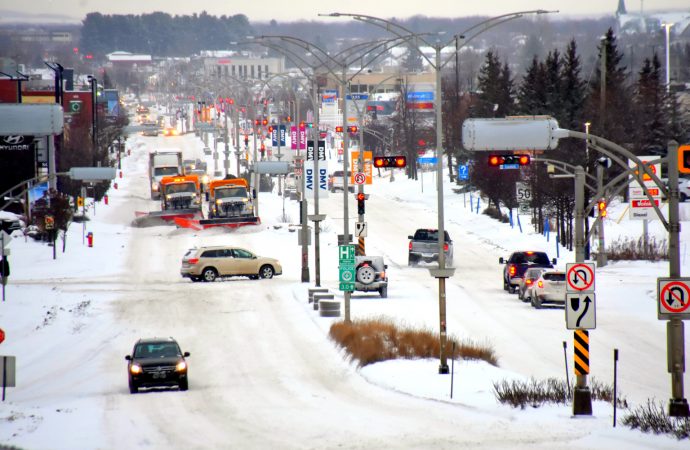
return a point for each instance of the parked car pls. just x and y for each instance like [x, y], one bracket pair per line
[335, 181]
[518, 263]
[528, 279]
[157, 362]
[549, 288]
[210, 263]
[423, 246]
[370, 275]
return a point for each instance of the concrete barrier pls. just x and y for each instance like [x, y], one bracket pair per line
[313, 291]
[329, 308]
[321, 296]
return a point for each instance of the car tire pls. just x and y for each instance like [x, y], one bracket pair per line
[411, 260]
[683, 197]
[133, 388]
[383, 292]
[184, 385]
[511, 289]
[266, 272]
[520, 296]
[195, 279]
[366, 274]
[209, 274]
[505, 285]
[536, 302]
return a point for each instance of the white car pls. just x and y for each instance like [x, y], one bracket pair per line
[549, 288]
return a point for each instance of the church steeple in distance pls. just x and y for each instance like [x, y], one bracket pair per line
[621, 8]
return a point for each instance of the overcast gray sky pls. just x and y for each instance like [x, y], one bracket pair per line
[290, 10]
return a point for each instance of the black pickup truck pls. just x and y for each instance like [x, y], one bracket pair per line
[424, 247]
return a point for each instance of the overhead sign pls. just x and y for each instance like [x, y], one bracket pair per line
[31, 119]
[580, 311]
[271, 167]
[92, 173]
[579, 277]
[538, 133]
[673, 296]
[427, 160]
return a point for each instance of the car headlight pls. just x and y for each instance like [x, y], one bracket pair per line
[135, 369]
[168, 197]
[204, 179]
[245, 200]
[154, 186]
[219, 202]
[181, 366]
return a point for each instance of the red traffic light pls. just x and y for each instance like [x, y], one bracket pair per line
[265, 122]
[338, 129]
[361, 196]
[270, 129]
[601, 205]
[352, 128]
[390, 161]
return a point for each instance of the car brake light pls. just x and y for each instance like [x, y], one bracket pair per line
[512, 270]
[445, 247]
[528, 281]
[410, 246]
[193, 260]
[540, 284]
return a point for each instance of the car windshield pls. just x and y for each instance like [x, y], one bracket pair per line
[165, 171]
[530, 258]
[235, 191]
[178, 188]
[156, 350]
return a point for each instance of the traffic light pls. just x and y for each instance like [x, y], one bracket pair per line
[601, 206]
[390, 161]
[338, 129]
[499, 160]
[352, 128]
[257, 122]
[270, 129]
[265, 122]
[361, 197]
[684, 159]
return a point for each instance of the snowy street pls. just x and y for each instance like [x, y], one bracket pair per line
[262, 371]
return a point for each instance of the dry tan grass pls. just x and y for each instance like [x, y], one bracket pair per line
[374, 340]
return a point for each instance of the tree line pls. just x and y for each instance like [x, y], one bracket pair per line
[638, 113]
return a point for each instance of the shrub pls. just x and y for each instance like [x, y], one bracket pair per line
[495, 213]
[374, 340]
[535, 393]
[634, 249]
[652, 418]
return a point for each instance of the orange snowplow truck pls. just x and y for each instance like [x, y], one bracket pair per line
[229, 198]
[180, 192]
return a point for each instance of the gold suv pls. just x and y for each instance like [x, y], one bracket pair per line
[209, 263]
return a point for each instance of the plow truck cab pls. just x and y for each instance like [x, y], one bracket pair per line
[229, 204]
[180, 193]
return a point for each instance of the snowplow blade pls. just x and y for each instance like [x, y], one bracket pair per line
[229, 222]
[158, 218]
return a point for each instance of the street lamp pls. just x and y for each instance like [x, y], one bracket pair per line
[441, 273]
[94, 118]
[342, 62]
[668, 26]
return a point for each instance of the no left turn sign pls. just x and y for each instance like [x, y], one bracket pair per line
[673, 298]
[360, 178]
[579, 277]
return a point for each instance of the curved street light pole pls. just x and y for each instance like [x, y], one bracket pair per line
[343, 80]
[442, 272]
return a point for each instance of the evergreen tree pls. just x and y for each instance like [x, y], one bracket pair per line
[650, 108]
[531, 92]
[412, 62]
[489, 82]
[573, 89]
[553, 85]
[611, 119]
[506, 94]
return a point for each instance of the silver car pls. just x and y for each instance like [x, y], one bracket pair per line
[528, 280]
[549, 288]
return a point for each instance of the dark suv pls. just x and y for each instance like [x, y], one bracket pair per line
[517, 265]
[157, 362]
